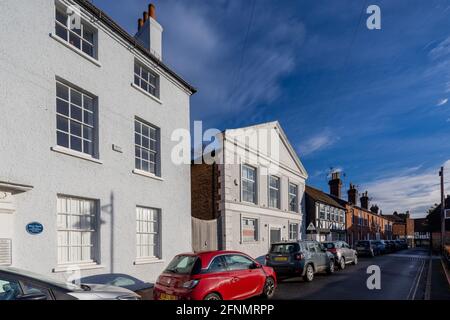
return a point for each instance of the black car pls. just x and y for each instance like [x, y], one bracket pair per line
[366, 248]
[300, 258]
[390, 246]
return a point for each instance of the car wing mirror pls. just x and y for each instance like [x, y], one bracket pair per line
[32, 296]
[255, 265]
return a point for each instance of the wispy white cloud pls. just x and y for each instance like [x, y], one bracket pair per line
[441, 102]
[413, 191]
[441, 50]
[318, 142]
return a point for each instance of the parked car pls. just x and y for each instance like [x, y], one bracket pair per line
[300, 258]
[403, 244]
[380, 246]
[342, 252]
[366, 247]
[390, 246]
[18, 284]
[143, 289]
[215, 275]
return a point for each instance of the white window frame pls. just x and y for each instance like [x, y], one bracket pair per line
[93, 140]
[295, 195]
[148, 223]
[84, 25]
[92, 231]
[139, 81]
[297, 231]
[257, 229]
[269, 187]
[140, 149]
[322, 210]
[255, 182]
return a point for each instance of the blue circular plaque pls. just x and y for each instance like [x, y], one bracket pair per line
[35, 228]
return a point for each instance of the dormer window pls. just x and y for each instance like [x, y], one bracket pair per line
[79, 35]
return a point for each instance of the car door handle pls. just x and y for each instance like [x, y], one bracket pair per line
[234, 280]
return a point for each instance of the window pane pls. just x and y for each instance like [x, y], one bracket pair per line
[74, 40]
[62, 107]
[88, 35]
[88, 103]
[62, 91]
[88, 49]
[62, 139]
[61, 32]
[88, 133]
[138, 164]
[75, 143]
[145, 142]
[89, 118]
[75, 98]
[75, 128]
[62, 124]
[61, 17]
[75, 113]
[87, 147]
[137, 127]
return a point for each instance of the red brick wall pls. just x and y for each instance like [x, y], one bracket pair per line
[204, 191]
[356, 232]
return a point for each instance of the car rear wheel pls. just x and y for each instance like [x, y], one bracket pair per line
[269, 288]
[213, 296]
[330, 269]
[355, 260]
[342, 263]
[309, 273]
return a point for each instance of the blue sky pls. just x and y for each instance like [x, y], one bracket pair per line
[372, 103]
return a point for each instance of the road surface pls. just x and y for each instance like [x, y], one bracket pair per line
[403, 277]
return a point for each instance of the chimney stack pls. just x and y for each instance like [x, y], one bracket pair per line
[150, 32]
[335, 184]
[152, 10]
[145, 16]
[365, 201]
[352, 193]
[374, 209]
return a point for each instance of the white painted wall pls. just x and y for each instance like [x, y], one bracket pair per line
[29, 62]
[233, 209]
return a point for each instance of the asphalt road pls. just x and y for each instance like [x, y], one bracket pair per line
[403, 277]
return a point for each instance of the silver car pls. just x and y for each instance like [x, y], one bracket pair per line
[18, 284]
[342, 252]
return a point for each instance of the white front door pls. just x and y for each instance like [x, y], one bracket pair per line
[6, 227]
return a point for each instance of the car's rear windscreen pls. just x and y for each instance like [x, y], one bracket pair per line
[285, 248]
[329, 245]
[363, 243]
[184, 264]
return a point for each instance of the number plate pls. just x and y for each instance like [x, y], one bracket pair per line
[164, 296]
[281, 259]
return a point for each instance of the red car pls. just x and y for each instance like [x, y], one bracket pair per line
[215, 275]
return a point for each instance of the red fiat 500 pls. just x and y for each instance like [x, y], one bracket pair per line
[215, 275]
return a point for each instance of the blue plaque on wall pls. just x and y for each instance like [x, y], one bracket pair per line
[35, 228]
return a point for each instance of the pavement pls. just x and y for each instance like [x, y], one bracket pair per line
[405, 275]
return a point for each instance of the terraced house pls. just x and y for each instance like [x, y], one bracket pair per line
[86, 175]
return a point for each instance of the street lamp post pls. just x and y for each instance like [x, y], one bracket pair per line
[441, 174]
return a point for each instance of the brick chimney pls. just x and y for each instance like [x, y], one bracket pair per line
[375, 209]
[352, 194]
[335, 185]
[150, 32]
[364, 201]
